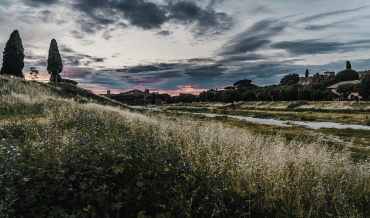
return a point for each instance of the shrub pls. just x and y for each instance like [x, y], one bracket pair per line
[297, 104]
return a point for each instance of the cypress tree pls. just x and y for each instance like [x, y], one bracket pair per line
[55, 65]
[13, 59]
[306, 73]
[348, 65]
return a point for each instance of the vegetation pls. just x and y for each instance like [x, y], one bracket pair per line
[345, 89]
[290, 79]
[55, 66]
[297, 104]
[346, 75]
[103, 159]
[13, 56]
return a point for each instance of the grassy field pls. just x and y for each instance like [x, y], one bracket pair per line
[75, 152]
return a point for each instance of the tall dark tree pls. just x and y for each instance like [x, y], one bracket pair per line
[13, 59]
[55, 66]
[348, 65]
[306, 73]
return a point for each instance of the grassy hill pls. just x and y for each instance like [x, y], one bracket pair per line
[66, 152]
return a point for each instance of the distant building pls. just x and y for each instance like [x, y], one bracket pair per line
[316, 78]
[331, 73]
[363, 73]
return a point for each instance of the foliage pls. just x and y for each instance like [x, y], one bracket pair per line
[231, 95]
[188, 98]
[305, 94]
[297, 104]
[345, 89]
[244, 84]
[229, 87]
[289, 93]
[261, 96]
[365, 82]
[248, 96]
[13, 56]
[153, 98]
[346, 75]
[35, 72]
[55, 65]
[290, 79]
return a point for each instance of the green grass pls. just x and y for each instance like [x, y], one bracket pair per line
[90, 156]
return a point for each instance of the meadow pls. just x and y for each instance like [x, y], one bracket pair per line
[66, 152]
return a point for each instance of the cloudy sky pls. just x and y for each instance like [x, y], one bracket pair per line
[174, 47]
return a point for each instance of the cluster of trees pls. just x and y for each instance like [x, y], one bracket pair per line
[290, 90]
[13, 59]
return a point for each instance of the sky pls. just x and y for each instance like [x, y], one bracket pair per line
[174, 47]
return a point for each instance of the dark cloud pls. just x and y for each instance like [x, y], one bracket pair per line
[207, 22]
[249, 57]
[213, 3]
[139, 69]
[254, 38]
[324, 15]
[146, 15]
[63, 48]
[199, 59]
[40, 3]
[316, 47]
[205, 72]
[185, 11]
[163, 33]
[46, 16]
[76, 34]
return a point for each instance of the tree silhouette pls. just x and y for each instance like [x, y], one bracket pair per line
[244, 84]
[306, 73]
[348, 65]
[55, 65]
[13, 59]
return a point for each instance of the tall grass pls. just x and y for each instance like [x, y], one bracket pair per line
[294, 179]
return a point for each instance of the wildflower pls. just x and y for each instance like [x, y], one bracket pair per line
[59, 162]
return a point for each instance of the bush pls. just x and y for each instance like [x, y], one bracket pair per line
[297, 104]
